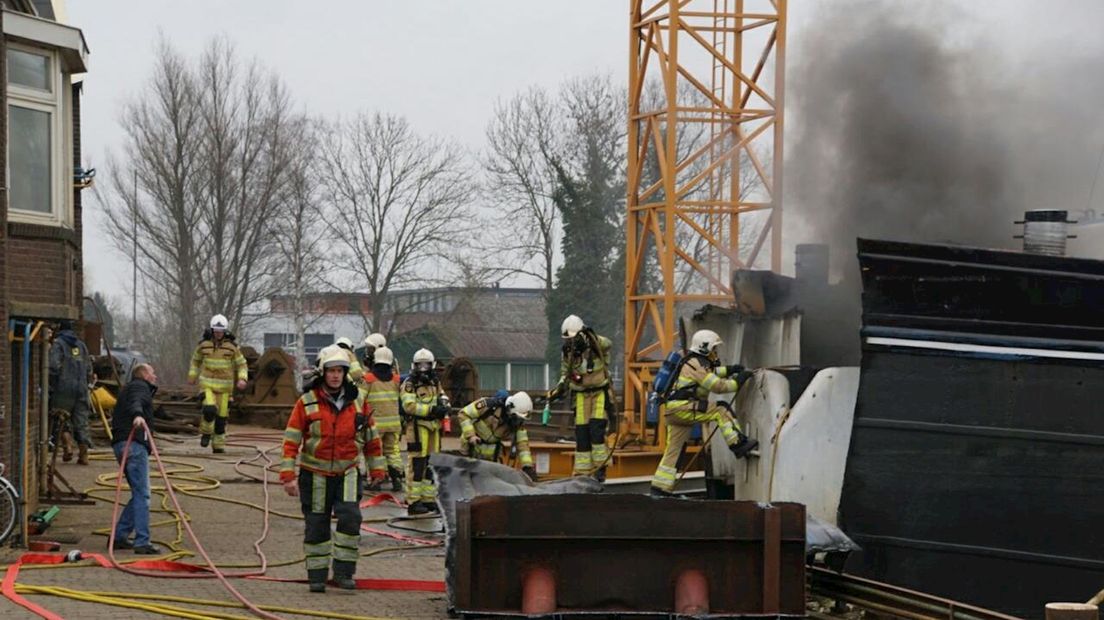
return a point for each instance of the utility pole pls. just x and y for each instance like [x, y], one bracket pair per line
[134, 265]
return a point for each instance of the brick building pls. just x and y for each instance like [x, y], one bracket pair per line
[40, 241]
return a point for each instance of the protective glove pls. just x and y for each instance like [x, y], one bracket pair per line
[475, 440]
[495, 402]
[439, 412]
[529, 471]
[733, 370]
[743, 376]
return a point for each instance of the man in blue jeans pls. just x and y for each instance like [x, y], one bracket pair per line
[135, 403]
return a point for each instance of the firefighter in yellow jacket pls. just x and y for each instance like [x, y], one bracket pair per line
[333, 437]
[425, 403]
[217, 362]
[585, 372]
[487, 422]
[380, 387]
[700, 374]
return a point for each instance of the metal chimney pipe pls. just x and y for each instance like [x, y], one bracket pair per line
[1045, 232]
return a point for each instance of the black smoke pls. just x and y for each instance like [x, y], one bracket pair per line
[900, 130]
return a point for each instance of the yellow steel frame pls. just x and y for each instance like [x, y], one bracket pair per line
[718, 67]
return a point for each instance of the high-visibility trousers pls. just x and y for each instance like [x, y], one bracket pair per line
[420, 486]
[679, 425]
[321, 497]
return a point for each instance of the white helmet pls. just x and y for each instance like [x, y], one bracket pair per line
[375, 340]
[704, 341]
[383, 355]
[422, 357]
[344, 342]
[219, 322]
[331, 356]
[520, 405]
[571, 325]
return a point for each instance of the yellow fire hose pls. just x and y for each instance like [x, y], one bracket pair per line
[187, 479]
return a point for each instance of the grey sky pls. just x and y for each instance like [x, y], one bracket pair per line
[443, 64]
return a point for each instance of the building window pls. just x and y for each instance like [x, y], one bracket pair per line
[29, 149]
[38, 137]
[492, 375]
[527, 377]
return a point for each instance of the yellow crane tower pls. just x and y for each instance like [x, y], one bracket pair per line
[704, 166]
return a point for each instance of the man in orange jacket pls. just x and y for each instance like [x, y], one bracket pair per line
[333, 434]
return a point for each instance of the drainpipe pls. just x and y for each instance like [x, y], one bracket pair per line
[24, 383]
[44, 412]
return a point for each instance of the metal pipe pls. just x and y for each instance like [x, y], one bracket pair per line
[24, 387]
[44, 411]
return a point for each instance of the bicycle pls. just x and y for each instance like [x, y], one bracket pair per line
[8, 506]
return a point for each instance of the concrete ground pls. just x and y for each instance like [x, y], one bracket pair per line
[227, 531]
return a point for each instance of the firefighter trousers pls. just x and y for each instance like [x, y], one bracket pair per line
[216, 411]
[420, 486]
[679, 425]
[591, 452]
[320, 498]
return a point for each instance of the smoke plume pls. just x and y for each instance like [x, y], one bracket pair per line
[897, 129]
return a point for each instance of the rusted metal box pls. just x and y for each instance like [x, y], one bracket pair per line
[623, 554]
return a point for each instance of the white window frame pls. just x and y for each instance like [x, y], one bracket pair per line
[57, 104]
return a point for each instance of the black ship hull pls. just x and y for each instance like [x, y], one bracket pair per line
[976, 466]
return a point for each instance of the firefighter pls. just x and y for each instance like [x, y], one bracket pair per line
[370, 344]
[688, 404]
[333, 434]
[380, 387]
[355, 370]
[585, 372]
[487, 422]
[70, 374]
[425, 403]
[217, 361]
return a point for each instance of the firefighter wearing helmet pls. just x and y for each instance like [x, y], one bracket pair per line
[488, 422]
[700, 374]
[370, 344]
[424, 401]
[585, 376]
[380, 387]
[332, 434]
[355, 370]
[219, 366]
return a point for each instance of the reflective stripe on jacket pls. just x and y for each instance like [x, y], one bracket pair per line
[589, 370]
[218, 366]
[702, 380]
[491, 428]
[383, 396]
[328, 441]
[418, 399]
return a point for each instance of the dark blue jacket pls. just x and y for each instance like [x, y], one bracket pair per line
[135, 399]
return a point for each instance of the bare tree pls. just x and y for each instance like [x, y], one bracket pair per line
[397, 203]
[522, 143]
[250, 135]
[159, 224]
[299, 234]
[207, 148]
